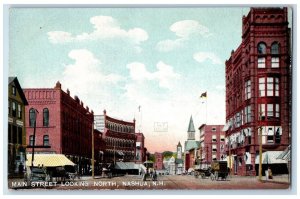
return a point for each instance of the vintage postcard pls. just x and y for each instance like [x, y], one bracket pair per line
[141, 98]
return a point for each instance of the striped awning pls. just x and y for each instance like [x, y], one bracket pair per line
[48, 160]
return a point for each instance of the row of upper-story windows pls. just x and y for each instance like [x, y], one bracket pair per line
[33, 115]
[15, 109]
[120, 128]
[262, 52]
[45, 140]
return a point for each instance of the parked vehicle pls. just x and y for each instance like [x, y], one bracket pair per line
[203, 172]
[36, 174]
[219, 169]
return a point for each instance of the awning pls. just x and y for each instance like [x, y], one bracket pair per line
[227, 126]
[270, 157]
[49, 160]
[286, 154]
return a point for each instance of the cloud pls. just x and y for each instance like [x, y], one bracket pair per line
[164, 74]
[186, 28]
[183, 30]
[105, 27]
[203, 56]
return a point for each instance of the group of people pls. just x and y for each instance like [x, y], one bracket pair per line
[151, 173]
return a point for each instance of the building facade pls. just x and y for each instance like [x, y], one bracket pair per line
[178, 159]
[16, 127]
[258, 89]
[140, 156]
[159, 158]
[212, 144]
[63, 125]
[120, 139]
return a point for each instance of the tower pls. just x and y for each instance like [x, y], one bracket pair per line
[191, 130]
[179, 151]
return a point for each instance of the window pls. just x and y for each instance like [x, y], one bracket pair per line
[222, 138]
[214, 129]
[270, 88]
[248, 89]
[214, 147]
[262, 90]
[31, 140]
[261, 49]
[261, 62]
[45, 117]
[275, 62]
[277, 110]
[270, 136]
[247, 114]
[275, 49]
[276, 86]
[14, 109]
[262, 113]
[214, 138]
[46, 140]
[270, 112]
[14, 92]
[31, 117]
[19, 111]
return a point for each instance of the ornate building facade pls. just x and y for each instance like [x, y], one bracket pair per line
[258, 90]
[120, 139]
[63, 125]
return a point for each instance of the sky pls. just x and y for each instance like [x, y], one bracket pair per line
[120, 59]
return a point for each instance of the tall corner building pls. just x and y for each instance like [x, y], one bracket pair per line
[258, 93]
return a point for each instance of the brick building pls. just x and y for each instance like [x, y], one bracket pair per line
[258, 90]
[158, 164]
[63, 125]
[120, 139]
[212, 144]
[140, 156]
[16, 126]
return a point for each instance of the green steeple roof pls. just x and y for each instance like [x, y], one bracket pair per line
[191, 126]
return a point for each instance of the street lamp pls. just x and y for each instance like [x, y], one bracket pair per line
[33, 141]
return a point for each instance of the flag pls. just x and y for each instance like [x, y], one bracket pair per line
[203, 95]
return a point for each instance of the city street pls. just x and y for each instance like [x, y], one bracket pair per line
[170, 182]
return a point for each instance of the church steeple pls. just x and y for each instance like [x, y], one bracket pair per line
[191, 130]
[179, 151]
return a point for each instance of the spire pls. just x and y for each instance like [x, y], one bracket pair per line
[191, 126]
[179, 144]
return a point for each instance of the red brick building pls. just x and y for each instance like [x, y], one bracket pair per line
[258, 89]
[212, 144]
[63, 124]
[120, 139]
[158, 164]
[140, 156]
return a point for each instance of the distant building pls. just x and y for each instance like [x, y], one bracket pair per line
[190, 147]
[212, 144]
[120, 139]
[169, 165]
[16, 126]
[63, 125]
[179, 160]
[258, 92]
[140, 156]
[158, 164]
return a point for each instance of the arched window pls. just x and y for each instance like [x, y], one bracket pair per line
[261, 48]
[45, 117]
[46, 140]
[32, 117]
[275, 48]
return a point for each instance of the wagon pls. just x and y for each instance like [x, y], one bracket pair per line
[203, 173]
[219, 169]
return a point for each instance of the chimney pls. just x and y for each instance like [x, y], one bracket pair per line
[87, 108]
[77, 99]
[68, 92]
[58, 85]
[81, 103]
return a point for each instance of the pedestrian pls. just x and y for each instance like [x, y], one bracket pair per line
[21, 168]
[270, 173]
[154, 175]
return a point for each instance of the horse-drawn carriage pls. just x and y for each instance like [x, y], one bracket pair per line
[217, 170]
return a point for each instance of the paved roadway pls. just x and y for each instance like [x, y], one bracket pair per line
[163, 183]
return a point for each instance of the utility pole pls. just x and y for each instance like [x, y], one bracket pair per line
[33, 141]
[93, 151]
[260, 149]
